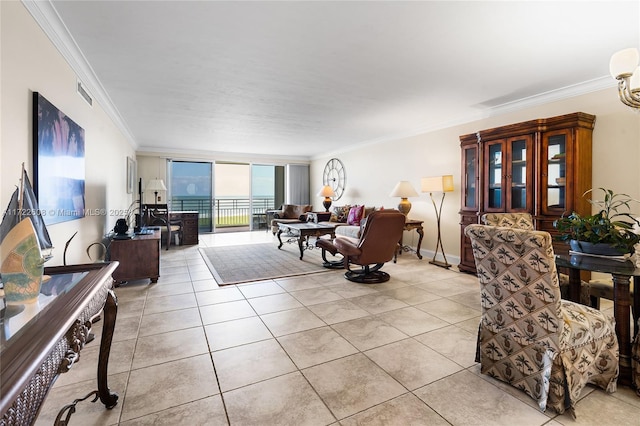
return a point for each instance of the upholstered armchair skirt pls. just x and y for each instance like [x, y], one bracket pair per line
[530, 338]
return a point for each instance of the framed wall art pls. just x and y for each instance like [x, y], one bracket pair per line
[131, 175]
[58, 162]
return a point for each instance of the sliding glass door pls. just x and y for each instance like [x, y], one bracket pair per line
[267, 192]
[232, 195]
[228, 196]
[244, 193]
[191, 190]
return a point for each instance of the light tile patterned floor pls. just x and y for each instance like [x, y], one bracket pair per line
[309, 350]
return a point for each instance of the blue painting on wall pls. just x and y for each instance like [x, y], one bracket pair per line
[58, 162]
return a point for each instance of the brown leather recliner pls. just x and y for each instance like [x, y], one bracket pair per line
[378, 244]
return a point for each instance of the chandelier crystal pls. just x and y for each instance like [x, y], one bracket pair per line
[624, 68]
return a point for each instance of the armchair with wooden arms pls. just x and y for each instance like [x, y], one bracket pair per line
[377, 245]
[158, 215]
[529, 337]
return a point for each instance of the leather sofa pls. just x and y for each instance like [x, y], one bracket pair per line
[289, 213]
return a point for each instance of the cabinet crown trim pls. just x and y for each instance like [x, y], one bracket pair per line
[576, 119]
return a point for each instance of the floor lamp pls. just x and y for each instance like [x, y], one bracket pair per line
[442, 184]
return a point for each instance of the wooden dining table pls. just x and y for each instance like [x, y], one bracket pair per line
[622, 271]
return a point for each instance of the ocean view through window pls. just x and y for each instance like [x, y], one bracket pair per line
[226, 195]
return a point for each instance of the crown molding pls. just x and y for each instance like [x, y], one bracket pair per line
[49, 20]
[572, 91]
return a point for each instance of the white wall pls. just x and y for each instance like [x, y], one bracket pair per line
[372, 171]
[30, 63]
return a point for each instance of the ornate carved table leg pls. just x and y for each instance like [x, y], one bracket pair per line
[301, 239]
[621, 304]
[420, 232]
[279, 239]
[108, 398]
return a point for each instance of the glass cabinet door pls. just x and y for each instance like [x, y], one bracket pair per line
[470, 177]
[554, 172]
[494, 197]
[519, 173]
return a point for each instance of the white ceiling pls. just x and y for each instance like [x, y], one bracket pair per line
[303, 78]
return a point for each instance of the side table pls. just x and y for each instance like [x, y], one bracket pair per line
[139, 257]
[409, 225]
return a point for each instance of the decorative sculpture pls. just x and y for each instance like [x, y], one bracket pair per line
[21, 264]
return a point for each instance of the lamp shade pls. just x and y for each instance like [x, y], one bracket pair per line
[624, 62]
[156, 185]
[326, 191]
[437, 184]
[403, 189]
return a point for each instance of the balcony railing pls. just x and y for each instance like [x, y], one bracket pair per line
[227, 212]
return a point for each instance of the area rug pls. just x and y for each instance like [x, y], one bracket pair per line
[254, 262]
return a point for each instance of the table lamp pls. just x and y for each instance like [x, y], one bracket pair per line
[326, 192]
[156, 185]
[404, 190]
[442, 184]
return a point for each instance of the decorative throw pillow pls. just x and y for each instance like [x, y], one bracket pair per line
[355, 215]
[289, 211]
[341, 213]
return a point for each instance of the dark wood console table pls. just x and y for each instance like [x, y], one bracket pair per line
[43, 339]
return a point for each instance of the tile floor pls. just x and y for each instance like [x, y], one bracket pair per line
[310, 350]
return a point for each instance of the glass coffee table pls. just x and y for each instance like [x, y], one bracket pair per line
[302, 231]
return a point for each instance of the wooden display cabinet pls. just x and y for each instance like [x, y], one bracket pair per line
[469, 207]
[508, 174]
[542, 167]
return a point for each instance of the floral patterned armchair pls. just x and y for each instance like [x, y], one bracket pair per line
[530, 338]
[525, 221]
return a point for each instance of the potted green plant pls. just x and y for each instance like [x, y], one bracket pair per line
[608, 232]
